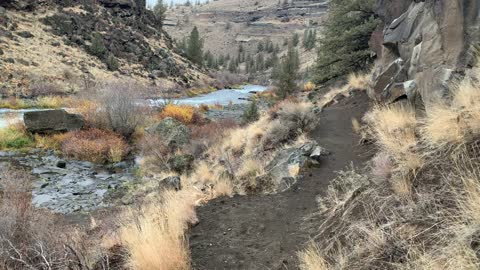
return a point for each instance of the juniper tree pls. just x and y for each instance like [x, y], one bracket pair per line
[195, 47]
[295, 39]
[286, 73]
[160, 10]
[344, 46]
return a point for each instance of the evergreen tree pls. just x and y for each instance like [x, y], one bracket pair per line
[260, 47]
[286, 74]
[195, 47]
[232, 66]
[295, 39]
[305, 38]
[344, 47]
[98, 47]
[160, 10]
[260, 62]
[251, 114]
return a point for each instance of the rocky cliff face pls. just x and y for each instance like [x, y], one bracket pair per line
[424, 46]
[46, 37]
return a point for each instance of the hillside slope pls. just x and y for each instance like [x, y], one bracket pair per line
[67, 43]
[226, 24]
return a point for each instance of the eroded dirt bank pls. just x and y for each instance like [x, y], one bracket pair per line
[266, 231]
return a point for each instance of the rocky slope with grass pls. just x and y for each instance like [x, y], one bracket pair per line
[62, 47]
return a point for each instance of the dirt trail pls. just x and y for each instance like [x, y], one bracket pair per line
[266, 231]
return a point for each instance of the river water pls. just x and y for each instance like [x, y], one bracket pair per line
[221, 97]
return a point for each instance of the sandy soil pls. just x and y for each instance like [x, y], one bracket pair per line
[266, 231]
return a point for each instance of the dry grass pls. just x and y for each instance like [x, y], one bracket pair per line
[459, 118]
[359, 81]
[310, 259]
[394, 129]
[154, 236]
[355, 82]
[417, 206]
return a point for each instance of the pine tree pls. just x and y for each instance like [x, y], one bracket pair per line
[232, 66]
[295, 39]
[260, 47]
[159, 10]
[286, 73]
[195, 47]
[305, 38]
[344, 47]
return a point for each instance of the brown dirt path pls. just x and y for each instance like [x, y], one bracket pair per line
[266, 231]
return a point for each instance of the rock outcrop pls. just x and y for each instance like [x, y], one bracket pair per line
[425, 44]
[52, 121]
[172, 132]
[282, 171]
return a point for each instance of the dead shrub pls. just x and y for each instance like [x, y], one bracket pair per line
[39, 89]
[119, 102]
[29, 237]
[223, 79]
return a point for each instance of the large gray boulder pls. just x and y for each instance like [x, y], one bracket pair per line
[172, 132]
[278, 177]
[52, 121]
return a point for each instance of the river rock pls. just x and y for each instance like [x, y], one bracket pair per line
[52, 121]
[172, 132]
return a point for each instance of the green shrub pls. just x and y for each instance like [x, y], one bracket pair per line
[14, 138]
[98, 47]
[250, 114]
[112, 63]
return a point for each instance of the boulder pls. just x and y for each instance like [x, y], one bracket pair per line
[283, 169]
[52, 121]
[384, 81]
[172, 132]
[171, 182]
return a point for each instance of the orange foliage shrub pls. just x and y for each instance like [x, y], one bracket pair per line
[93, 145]
[309, 86]
[182, 113]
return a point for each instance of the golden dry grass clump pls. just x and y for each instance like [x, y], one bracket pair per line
[457, 122]
[154, 235]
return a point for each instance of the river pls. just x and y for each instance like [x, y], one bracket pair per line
[221, 97]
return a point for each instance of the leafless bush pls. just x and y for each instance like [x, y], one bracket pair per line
[224, 79]
[45, 89]
[29, 238]
[121, 104]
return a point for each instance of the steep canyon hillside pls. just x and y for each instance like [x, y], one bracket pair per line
[225, 25]
[66, 45]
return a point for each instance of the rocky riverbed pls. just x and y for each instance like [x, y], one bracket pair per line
[68, 186]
